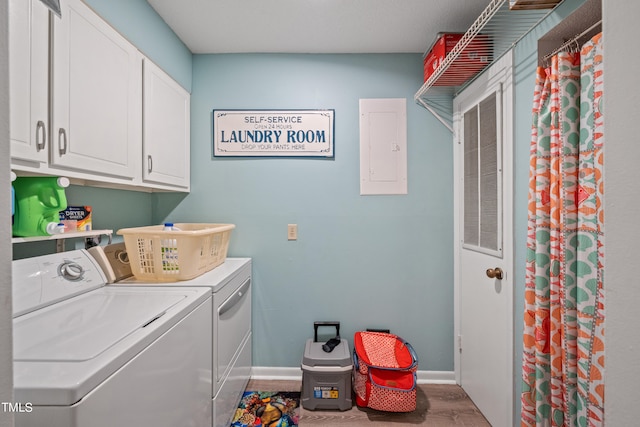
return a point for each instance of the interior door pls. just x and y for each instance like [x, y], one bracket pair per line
[484, 297]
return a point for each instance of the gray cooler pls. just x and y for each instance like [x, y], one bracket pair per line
[326, 377]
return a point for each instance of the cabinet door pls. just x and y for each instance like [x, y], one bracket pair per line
[29, 77]
[166, 121]
[97, 84]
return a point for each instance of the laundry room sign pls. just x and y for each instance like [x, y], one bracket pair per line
[279, 133]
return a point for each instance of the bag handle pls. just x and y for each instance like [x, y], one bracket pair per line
[316, 325]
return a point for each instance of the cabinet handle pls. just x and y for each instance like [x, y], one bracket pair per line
[40, 132]
[62, 141]
[149, 163]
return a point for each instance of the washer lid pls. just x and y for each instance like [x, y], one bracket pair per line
[84, 327]
[41, 281]
[63, 351]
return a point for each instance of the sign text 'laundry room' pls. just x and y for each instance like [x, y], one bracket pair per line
[294, 133]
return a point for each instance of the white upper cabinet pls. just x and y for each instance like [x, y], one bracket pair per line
[76, 103]
[29, 81]
[96, 95]
[166, 132]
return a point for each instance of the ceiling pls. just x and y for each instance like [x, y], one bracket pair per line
[315, 26]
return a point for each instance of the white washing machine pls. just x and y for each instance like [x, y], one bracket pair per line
[230, 287]
[89, 355]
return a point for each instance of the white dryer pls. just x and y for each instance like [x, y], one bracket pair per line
[230, 287]
[89, 355]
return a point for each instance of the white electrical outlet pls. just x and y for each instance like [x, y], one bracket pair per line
[292, 232]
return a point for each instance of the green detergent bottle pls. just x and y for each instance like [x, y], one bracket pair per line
[39, 201]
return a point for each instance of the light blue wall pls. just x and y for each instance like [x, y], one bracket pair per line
[367, 261]
[382, 261]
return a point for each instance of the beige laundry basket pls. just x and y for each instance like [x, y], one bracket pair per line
[168, 256]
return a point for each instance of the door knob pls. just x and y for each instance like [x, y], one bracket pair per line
[494, 273]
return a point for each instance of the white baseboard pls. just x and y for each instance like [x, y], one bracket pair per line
[275, 373]
[295, 374]
[436, 377]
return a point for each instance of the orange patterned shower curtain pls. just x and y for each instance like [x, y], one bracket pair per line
[563, 360]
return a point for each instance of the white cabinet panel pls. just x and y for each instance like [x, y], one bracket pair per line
[29, 80]
[76, 93]
[97, 83]
[383, 146]
[166, 128]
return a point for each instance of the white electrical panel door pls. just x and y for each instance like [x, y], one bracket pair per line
[383, 146]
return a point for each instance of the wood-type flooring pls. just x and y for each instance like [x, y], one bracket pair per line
[438, 405]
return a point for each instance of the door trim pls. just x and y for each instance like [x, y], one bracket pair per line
[499, 73]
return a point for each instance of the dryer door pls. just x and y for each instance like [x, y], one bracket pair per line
[233, 325]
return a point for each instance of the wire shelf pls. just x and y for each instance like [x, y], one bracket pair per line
[495, 31]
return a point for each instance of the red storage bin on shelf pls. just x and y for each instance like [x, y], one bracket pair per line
[473, 59]
[443, 44]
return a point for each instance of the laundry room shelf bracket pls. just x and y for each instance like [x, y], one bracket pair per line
[494, 32]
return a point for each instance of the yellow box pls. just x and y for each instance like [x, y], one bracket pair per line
[76, 218]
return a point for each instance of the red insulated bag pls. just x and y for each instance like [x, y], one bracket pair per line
[384, 372]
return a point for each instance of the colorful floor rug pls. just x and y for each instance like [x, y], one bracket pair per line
[268, 409]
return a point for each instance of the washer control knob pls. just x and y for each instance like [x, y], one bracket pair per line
[71, 270]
